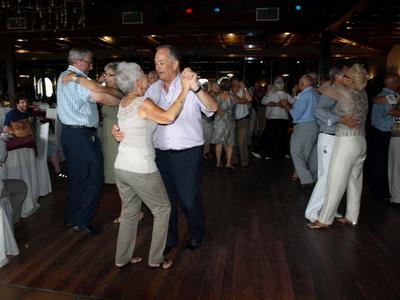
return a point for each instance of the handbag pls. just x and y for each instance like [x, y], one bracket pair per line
[22, 128]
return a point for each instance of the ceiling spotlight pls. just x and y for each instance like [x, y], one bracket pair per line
[285, 75]
[298, 7]
[297, 62]
[287, 33]
[22, 40]
[189, 10]
[216, 10]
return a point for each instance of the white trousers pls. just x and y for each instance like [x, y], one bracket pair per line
[394, 169]
[345, 173]
[324, 152]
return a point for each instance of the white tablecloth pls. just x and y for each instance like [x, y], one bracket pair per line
[8, 245]
[21, 164]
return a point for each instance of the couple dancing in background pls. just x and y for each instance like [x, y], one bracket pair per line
[178, 154]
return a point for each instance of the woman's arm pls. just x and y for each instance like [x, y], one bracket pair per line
[91, 84]
[151, 111]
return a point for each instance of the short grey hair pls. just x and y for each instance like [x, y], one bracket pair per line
[279, 84]
[78, 53]
[126, 75]
[173, 52]
[111, 66]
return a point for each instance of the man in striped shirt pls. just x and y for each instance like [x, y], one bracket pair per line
[77, 111]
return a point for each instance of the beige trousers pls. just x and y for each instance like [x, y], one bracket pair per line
[345, 173]
[241, 132]
[394, 169]
[133, 189]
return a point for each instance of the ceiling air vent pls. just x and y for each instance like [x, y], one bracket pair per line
[267, 14]
[16, 23]
[132, 17]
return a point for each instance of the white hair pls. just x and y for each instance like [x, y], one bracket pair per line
[78, 53]
[279, 84]
[126, 75]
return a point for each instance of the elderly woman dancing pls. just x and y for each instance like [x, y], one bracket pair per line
[136, 173]
[349, 150]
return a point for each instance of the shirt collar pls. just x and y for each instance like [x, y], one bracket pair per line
[76, 70]
[387, 90]
[306, 89]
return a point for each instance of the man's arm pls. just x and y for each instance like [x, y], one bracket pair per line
[205, 98]
[388, 99]
[394, 112]
[323, 112]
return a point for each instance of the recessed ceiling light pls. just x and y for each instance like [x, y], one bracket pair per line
[22, 40]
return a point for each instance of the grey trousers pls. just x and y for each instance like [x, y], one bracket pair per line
[302, 142]
[133, 189]
[15, 190]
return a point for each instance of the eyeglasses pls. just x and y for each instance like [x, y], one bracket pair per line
[86, 61]
[348, 77]
[108, 75]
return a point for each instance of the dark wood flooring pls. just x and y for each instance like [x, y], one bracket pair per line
[257, 247]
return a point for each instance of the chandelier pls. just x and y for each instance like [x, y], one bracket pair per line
[43, 15]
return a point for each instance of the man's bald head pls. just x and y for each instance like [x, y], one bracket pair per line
[392, 81]
[306, 81]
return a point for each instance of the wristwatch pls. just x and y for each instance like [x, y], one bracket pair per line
[198, 90]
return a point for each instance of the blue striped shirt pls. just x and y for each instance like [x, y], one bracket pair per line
[379, 117]
[74, 104]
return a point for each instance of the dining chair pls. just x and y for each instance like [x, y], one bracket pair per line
[42, 139]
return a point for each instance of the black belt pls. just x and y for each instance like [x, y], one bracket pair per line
[327, 133]
[79, 127]
[246, 117]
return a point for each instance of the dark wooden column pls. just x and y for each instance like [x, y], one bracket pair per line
[10, 66]
[325, 54]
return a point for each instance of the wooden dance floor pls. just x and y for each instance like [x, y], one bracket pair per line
[257, 247]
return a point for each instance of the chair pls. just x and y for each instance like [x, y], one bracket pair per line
[42, 139]
[51, 113]
[8, 245]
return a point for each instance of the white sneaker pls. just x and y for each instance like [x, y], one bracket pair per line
[256, 155]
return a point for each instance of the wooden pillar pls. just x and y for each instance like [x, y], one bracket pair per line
[10, 67]
[325, 54]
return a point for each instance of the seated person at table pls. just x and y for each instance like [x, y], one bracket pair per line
[14, 189]
[23, 111]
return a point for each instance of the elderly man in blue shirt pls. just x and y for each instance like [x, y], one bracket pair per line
[382, 120]
[77, 111]
[305, 131]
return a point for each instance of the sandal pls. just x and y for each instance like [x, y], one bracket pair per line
[345, 221]
[317, 225]
[134, 260]
[166, 264]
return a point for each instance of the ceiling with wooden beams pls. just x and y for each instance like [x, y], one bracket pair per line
[357, 28]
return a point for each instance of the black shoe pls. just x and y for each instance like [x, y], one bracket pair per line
[193, 245]
[88, 229]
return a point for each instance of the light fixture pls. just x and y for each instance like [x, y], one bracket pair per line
[285, 75]
[189, 10]
[297, 62]
[22, 40]
[153, 35]
[287, 33]
[37, 15]
[216, 10]
[249, 58]
[298, 7]
[231, 35]
[107, 39]
[22, 51]
[24, 76]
